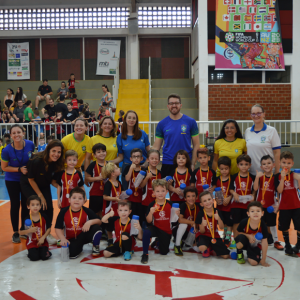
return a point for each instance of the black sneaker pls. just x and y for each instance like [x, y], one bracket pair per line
[96, 251]
[296, 249]
[110, 242]
[270, 240]
[178, 251]
[154, 243]
[16, 238]
[145, 258]
[290, 252]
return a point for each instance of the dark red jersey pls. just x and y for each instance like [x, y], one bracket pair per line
[243, 228]
[178, 179]
[208, 177]
[162, 217]
[137, 193]
[97, 187]
[225, 187]
[267, 189]
[71, 83]
[148, 196]
[191, 214]
[111, 191]
[75, 103]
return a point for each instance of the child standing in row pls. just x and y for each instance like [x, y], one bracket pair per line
[182, 174]
[224, 181]
[68, 179]
[241, 185]
[93, 175]
[203, 175]
[36, 243]
[124, 242]
[265, 185]
[111, 194]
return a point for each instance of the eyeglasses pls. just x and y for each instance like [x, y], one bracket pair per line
[136, 156]
[256, 115]
[174, 103]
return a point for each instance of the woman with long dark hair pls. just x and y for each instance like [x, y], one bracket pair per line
[20, 95]
[41, 173]
[106, 96]
[229, 143]
[9, 99]
[14, 158]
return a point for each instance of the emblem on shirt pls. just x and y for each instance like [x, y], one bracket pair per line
[183, 129]
[29, 154]
[115, 145]
[243, 185]
[75, 220]
[263, 139]
[162, 213]
[83, 148]
[236, 150]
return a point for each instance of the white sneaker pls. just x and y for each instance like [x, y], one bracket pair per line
[51, 240]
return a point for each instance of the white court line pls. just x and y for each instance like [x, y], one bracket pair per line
[5, 201]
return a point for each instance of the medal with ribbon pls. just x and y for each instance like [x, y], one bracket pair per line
[135, 189]
[41, 224]
[264, 189]
[206, 176]
[122, 230]
[67, 183]
[211, 229]
[72, 220]
[244, 194]
[101, 182]
[153, 195]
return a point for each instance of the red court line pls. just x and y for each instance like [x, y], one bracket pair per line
[19, 295]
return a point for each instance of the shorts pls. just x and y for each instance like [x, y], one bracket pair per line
[252, 252]
[269, 218]
[227, 219]
[164, 239]
[285, 217]
[96, 203]
[219, 247]
[72, 90]
[41, 99]
[115, 248]
[238, 214]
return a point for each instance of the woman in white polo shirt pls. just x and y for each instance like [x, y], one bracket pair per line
[262, 139]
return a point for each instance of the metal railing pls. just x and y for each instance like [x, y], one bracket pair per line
[150, 99]
[288, 130]
[115, 88]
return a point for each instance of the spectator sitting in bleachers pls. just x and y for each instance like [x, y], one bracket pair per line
[20, 95]
[18, 113]
[44, 93]
[9, 99]
[62, 91]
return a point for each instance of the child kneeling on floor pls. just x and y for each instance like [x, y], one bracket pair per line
[36, 243]
[208, 220]
[246, 240]
[124, 242]
[81, 225]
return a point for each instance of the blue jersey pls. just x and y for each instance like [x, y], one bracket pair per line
[42, 148]
[125, 146]
[177, 135]
[17, 158]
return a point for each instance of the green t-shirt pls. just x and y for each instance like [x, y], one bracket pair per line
[26, 112]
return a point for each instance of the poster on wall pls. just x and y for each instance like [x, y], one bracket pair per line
[248, 35]
[18, 63]
[108, 57]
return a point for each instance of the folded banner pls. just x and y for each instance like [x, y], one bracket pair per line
[108, 57]
[248, 35]
[18, 64]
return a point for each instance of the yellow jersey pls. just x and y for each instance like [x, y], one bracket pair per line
[110, 143]
[232, 150]
[70, 143]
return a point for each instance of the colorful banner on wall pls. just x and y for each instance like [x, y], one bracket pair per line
[18, 63]
[108, 57]
[248, 35]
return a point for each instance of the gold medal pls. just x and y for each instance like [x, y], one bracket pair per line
[136, 194]
[213, 241]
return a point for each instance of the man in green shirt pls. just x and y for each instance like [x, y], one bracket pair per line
[28, 114]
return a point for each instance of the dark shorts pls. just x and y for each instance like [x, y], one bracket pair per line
[72, 90]
[96, 203]
[164, 239]
[219, 247]
[252, 252]
[115, 248]
[285, 218]
[269, 218]
[238, 214]
[227, 219]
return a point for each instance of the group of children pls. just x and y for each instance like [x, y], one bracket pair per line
[199, 211]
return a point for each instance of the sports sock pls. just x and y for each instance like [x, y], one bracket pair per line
[286, 238]
[97, 238]
[273, 230]
[228, 235]
[146, 240]
[180, 232]
[239, 251]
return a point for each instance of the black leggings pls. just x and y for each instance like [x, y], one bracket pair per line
[42, 253]
[76, 245]
[46, 191]
[14, 191]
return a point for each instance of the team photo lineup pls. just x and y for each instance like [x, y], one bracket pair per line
[227, 204]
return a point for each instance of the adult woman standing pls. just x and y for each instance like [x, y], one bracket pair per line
[106, 96]
[107, 135]
[262, 140]
[229, 143]
[20, 95]
[9, 99]
[37, 181]
[78, 140]
[130, 138]
[14, 159]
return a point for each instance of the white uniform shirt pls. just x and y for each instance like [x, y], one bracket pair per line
[260, 143]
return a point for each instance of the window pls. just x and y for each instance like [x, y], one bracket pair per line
[64, 18]
[249, 76]
[279, 76]
[219, 76]
[164, 16]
